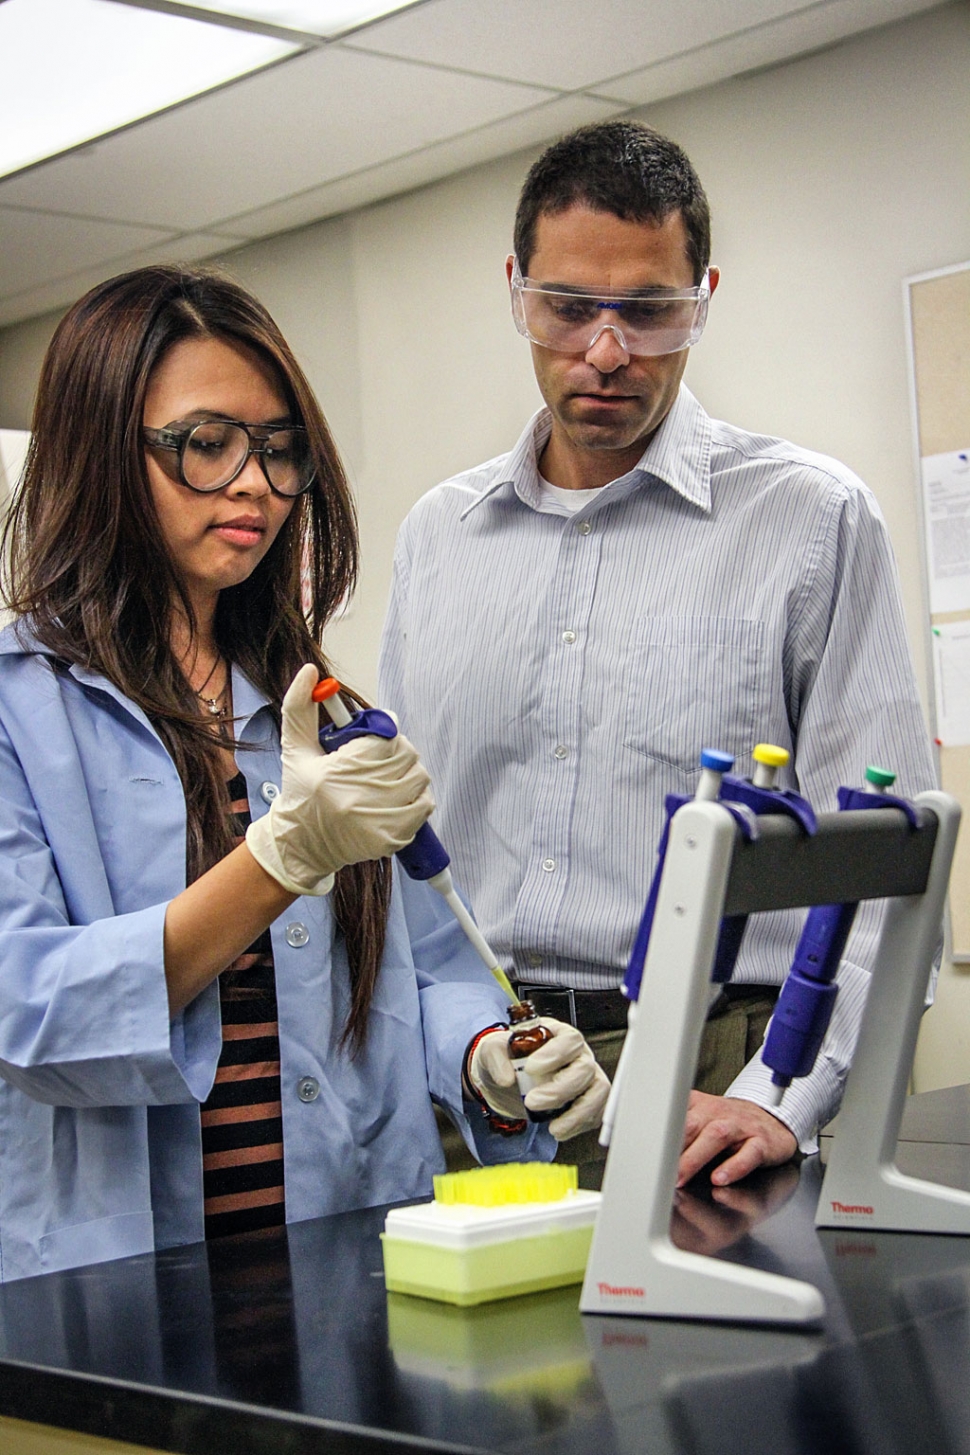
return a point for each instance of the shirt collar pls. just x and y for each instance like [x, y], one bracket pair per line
[247, 700]
[679, 455]
[18, 640]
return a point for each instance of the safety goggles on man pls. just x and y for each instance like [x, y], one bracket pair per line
[646, 321]
[213, 452]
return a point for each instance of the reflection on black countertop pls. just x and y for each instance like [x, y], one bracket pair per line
[286, 1340]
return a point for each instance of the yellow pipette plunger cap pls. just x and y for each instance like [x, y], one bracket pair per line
[768, 759]
[770, 756]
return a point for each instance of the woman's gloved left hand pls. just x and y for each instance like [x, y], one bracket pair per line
[565, 1067]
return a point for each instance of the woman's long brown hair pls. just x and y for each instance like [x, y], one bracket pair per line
[88, 569]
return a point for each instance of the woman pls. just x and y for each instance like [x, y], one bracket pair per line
[183, 533]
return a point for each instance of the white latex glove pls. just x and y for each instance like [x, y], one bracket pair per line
[365, 801]
[492, 1074]
[564, 1069]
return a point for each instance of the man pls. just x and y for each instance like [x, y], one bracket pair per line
[571, 623]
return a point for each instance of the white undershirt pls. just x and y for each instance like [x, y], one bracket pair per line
[573, 500]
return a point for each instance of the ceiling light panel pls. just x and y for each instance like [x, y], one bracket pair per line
[75, 69]
[265, 138]
[313, 17]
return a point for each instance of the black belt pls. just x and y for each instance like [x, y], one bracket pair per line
[606, 1010]
[587, 1010]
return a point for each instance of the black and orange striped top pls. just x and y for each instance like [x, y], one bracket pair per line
[242, 1120]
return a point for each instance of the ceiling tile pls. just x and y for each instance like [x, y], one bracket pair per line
[298, 125]
[564, 43]
[35, 246]
[764, 45]
[60, 292]
[529, 128]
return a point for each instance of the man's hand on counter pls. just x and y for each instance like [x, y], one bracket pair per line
[718, 1124]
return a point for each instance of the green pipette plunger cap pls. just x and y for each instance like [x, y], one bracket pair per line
[880, 777]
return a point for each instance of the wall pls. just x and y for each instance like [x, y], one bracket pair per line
[401, 313]
[831, 179]
[21, 350]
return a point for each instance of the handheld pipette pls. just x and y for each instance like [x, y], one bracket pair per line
[425, 857]
[807, 998]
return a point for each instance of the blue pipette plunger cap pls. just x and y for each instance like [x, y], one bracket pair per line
[717, 761]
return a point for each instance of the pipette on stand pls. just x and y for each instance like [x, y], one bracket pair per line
[714, 765]
[759, 794]
[425, 857]
[767, 760]
[743, 798]
[804, 1009]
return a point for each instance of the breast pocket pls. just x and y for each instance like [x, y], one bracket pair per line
[696, 682]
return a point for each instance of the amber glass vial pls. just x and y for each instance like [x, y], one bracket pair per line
[526, 1036]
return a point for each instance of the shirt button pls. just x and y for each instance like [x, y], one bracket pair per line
[296, 934]
[308, 1088]
[269, 791]
[569, 637]
[535, 960]
[584, 527]
[560, 751]
[548, 865]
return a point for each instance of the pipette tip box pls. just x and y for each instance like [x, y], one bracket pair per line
[465, 1254]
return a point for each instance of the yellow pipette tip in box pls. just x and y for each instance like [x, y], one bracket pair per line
[509, 1182]
[494, 1232]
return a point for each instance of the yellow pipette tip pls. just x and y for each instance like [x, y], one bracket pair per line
[505, 1183]
[505, 983]
[771, 756]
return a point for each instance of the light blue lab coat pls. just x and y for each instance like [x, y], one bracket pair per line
[100, 1151]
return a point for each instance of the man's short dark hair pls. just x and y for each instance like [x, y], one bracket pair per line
[623, 167]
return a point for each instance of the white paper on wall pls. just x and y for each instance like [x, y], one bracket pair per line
[951, 651]
[946, 511]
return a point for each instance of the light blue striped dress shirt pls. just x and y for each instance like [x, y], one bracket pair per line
[560, 673]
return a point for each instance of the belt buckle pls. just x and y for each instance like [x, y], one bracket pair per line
[531, 992]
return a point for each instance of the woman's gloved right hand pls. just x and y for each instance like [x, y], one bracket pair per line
[365, 801]
[565, 1071]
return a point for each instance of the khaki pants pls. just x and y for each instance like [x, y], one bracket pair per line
[734, 1030]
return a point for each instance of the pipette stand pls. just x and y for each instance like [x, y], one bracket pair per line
[711, 871]
[863, 1188]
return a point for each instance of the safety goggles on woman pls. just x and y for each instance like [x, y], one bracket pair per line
[644, 321]
[211, 453]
